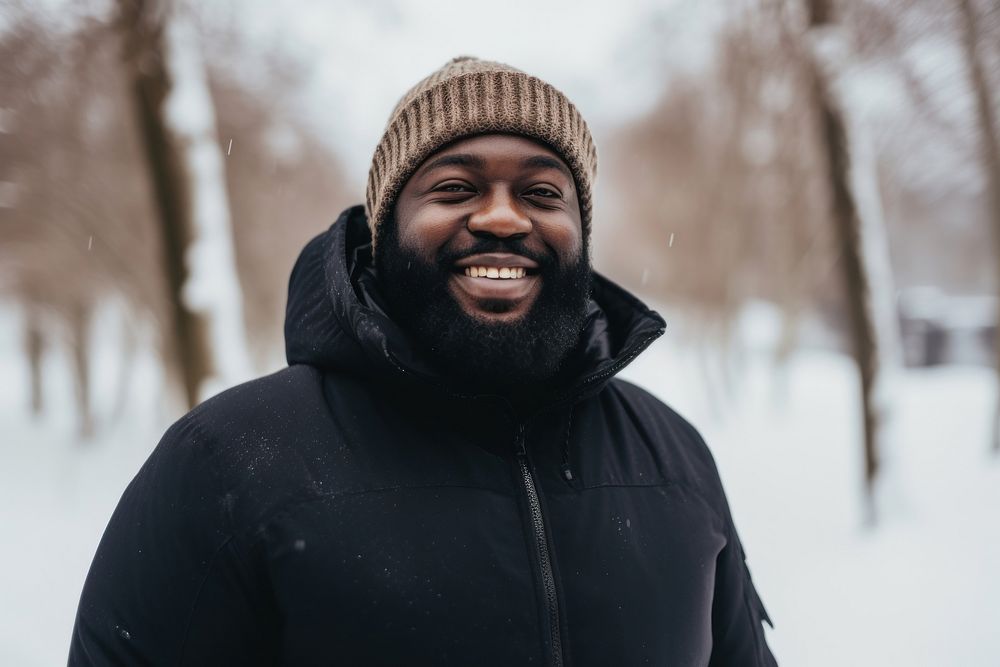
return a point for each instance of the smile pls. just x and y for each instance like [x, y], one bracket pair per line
[496, 285]
[496, 272]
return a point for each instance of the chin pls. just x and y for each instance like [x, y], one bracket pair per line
[493, 310]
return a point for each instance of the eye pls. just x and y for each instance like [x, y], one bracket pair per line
[547, 193]
[454, 187]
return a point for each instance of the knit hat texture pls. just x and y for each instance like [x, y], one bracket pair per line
[468, 97]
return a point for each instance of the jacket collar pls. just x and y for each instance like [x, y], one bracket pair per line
[335, 320]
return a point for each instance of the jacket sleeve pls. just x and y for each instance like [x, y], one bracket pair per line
[168, 585]
[737, 611]
[738, 614]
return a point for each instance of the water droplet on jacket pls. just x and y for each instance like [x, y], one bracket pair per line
[122, 632]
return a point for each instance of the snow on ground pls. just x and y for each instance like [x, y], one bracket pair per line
[57, 493]
[921, 589]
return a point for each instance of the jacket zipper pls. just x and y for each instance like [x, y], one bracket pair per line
[542, 548]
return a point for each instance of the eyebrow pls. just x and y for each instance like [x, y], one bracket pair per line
[457, 159]
[477, 162]
[546, 162]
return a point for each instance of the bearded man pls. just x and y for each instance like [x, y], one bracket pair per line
[448, 472]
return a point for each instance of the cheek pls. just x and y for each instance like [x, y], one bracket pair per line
[565, 238]
[425, 233]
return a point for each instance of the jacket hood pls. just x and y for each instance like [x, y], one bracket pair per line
[335, 319]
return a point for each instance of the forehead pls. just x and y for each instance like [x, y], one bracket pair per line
[488, 150]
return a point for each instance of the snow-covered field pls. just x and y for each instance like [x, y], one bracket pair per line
[920, 589]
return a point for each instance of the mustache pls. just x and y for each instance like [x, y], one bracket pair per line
[448, 256]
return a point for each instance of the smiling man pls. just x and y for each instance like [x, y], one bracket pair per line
[448, 472]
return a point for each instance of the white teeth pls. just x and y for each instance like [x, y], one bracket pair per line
[497, 273]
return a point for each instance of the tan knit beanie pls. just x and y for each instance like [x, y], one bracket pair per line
[467, 97]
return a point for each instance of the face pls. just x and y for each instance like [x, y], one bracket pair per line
[476, 192]
[485, 259]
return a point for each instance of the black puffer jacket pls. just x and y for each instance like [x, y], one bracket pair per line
[353, 509]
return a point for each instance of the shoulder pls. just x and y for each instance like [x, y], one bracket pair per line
[245, 446]
[247, 416]
[257, 411]
[286, 392]
[684, 455]
[648, 409]
[177, 548]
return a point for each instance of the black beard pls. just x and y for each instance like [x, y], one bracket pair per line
[523, 355]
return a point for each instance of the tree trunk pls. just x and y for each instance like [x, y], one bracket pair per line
[177, 121]
[79, 340]
[34, 349]
[864, 262]
[127, 356]
[989, 154]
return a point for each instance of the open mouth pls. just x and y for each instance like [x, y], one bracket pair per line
[496, 272]
[497, 266]
[496, 278]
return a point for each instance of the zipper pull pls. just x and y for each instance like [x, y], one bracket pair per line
[519, 448]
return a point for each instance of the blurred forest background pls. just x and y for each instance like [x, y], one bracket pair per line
[827, 172]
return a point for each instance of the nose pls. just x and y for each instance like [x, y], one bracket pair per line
[500, 216]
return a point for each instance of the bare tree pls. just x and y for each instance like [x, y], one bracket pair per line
[865, 271]
[284, 188]
[78, 225]
[55, 269]
[173, 105]
[771, 186]
[722, 194]
[989, 143]
[34, 347]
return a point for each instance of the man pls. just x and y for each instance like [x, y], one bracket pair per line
[447, 473]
